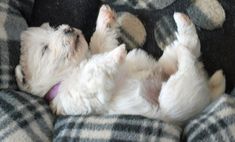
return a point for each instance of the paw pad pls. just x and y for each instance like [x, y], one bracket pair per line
[181, 19]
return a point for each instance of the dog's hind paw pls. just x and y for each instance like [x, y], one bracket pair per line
[181, 20]
[187, 34]
[217, 84]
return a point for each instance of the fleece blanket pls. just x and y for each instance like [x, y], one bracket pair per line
[24, 117]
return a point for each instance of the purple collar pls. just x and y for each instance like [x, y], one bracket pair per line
[52, 93]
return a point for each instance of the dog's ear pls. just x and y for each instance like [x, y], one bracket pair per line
[20, 78]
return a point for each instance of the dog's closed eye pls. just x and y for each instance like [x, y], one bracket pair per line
[45, 47]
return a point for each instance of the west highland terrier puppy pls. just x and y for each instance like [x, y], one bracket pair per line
[57, 64]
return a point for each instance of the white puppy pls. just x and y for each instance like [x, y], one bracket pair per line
[56, 64]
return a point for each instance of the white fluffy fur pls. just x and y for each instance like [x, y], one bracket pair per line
[107, 80]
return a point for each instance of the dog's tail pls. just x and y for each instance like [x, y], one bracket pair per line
[217, 84]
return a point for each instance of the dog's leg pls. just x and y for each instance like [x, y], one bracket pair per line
[98, 74]
[187, 37]
[186, 92]
[187, 34]
[105, 37]
[139, 62]
[168, 61]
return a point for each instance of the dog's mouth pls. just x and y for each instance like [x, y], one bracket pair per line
[73, 41]
[73, 37]
[76, 41]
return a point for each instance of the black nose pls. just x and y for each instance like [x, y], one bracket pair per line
[68, 30]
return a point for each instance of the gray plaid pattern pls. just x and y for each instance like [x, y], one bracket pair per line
[13, 16]
[142, 4]
[164, 31]
[113, 128]
[24, 118]
[233, 92]
[216, 124]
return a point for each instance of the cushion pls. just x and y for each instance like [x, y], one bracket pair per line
[113, 128]
[216, 124]
[24, 118]
[13, 20]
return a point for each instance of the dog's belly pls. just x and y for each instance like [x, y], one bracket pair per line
[137, 95]
[152, 88]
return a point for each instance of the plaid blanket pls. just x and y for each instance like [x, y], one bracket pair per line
[24, 118]
[28, 118]
[114, 128]
[143, 4]
[14, 15]
[216, 124]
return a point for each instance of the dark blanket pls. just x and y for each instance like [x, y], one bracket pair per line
[76, 13]
[218, 46]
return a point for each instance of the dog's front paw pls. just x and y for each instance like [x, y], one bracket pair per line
[119, 54]
[106, 17]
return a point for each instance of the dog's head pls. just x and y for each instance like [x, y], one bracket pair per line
[46, 54]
